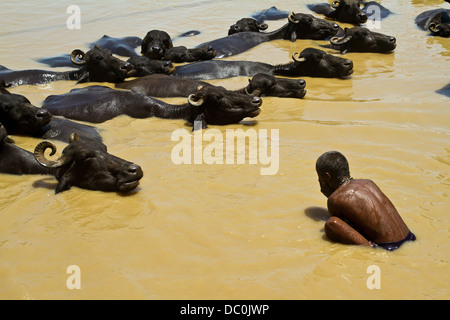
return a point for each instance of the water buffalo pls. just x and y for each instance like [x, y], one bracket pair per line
[20, 117]
[247, 24]
[260, 85]
[211, 105]
[96, 65]
[311, 62]
[350, 11]
[299, 26]
[158, 45]
[436, 21]
[359, 39]
[263, 84]
[88, 165]
[99, 65]
[181, 54]
[155, 44]
[125, 47]
[143, 66]
[15, 160]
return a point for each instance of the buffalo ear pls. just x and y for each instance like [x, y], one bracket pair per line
[331, 14]
[63, 185]
[84, 77]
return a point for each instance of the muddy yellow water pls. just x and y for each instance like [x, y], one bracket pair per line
[225, 231]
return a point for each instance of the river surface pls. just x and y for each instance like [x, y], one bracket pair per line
[226, 231]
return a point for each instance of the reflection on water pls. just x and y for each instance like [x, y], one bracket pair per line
[225, 231]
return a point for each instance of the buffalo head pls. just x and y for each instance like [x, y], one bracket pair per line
[143, 66]
[88, 165]
[19, 116]
[306, 26]
[218, 106]
[359, 39]
[100, 66]
[182, 54]
[349, 11]
[155, 44]
[439, 24]
[317, 63]
[265, 84]
[247, 24]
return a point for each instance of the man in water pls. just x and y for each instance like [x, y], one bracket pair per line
[360, 212]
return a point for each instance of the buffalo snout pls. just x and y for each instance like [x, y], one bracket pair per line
[361, 17]
[43, 115]
[135, 170]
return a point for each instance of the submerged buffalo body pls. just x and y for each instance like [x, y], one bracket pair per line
[125, 47]
[88, 165]
[311, 62]
[211, 105]
[273, 13]
[15, 160]
[359, 39]
[436, 21]
[260, 85]
[299, 26]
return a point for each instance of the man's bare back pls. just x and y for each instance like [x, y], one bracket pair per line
[360, 212]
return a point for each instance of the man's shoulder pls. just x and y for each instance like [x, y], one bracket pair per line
[351, 190]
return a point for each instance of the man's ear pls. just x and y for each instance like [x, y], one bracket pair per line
[326, 177]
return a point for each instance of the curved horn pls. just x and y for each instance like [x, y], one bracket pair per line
[291, 17]
[297, 59]
[193, 102]
[263, 26]
[40, 157]
[256, 93]
[335, 4]
[78, 54]
[74, 137]
[338, 41]
[434, 27]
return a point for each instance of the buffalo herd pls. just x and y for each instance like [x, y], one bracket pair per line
[85, 161]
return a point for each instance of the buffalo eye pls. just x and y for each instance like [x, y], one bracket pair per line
[87, 156]
[217, 97]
